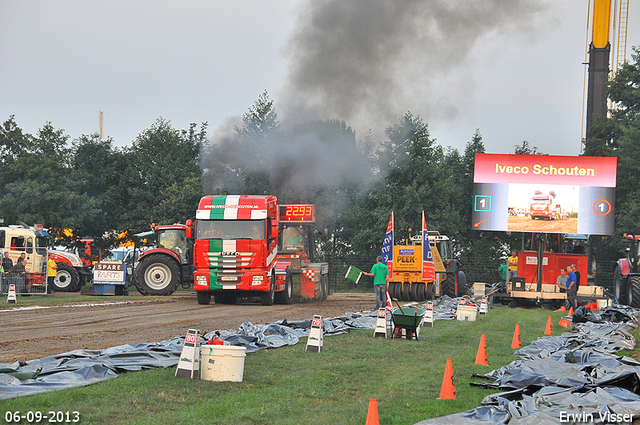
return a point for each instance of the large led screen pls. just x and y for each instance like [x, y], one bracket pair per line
[544, 193]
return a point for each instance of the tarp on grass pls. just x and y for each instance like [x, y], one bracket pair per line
[84, 367]
[571, 378]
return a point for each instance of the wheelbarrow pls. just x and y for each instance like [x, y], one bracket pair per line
[409, 319]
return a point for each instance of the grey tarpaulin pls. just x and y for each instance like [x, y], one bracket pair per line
[571, 378]
[84, 367]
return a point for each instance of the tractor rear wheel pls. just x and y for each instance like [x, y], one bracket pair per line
[619, 294]
[448, 286]
[633, 291]
[157, 274]
[67, 279]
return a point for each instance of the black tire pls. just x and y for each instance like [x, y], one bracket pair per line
[430, 291]
[157, 274]
[633, 291]
[268, 297]
[421, 292]
[204, 297]
[448, 286]
[324, 286]
[286, 296]
[619, 292]
[462, 283]
[414, 291]
[406, 289]
[67, 279]
[392, 289]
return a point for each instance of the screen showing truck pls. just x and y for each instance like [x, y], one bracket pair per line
[544, 193]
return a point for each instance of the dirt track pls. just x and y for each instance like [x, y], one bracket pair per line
[31, 332]
[526, 224]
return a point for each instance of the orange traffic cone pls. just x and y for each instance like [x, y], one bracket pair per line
[564, 323]
[372, 414]
[448, 389]
[549, 329]
[516, 338]
[570, 312]
[563, 308]
[481, 357]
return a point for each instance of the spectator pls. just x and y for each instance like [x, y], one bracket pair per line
[52, 270]
[513, 265]
[561, 281]
[572, 288]
[7, 263]
[575, 270]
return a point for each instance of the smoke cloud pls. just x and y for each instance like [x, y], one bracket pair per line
[366, 62]
[369, 61]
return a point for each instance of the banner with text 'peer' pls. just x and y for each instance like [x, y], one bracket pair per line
[544, 193]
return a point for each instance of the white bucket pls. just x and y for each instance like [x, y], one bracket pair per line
[603, 303]
[222, 363]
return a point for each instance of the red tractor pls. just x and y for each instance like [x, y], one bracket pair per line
[626, 278]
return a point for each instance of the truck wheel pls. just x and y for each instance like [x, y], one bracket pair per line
[397, 291]
[286, 296]
[204, 297]
[157, 274]
[67, 279]
[324, 286]
[267, 298]
[633, 291]
[618, 287]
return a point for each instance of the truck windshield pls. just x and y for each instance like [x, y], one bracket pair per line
[539, 200]
[42, 242]
[231, 229]
[292, 238]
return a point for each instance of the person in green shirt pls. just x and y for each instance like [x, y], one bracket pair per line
[380, 274]
[503, 272]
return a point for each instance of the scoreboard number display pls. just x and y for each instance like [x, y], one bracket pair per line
[299, 213]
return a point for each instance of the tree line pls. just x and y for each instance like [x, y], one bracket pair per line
[99, 190]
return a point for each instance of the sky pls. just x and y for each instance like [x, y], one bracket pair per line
[512, 69]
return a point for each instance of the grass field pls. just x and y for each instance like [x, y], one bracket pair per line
[291, 386]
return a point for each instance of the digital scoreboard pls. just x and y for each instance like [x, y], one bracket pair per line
[299, 213]
[544, 193]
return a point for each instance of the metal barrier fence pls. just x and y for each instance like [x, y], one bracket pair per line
[22, 284]
[477, 270]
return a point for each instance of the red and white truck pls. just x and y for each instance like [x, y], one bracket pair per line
[237, 246]
[542, 205]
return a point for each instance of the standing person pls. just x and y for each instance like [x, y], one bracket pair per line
[7, 262]
[561, 281]
[513, 265]
[503, 272]
[572, 288]
[52, 270]
[575, 270]
[380, 274]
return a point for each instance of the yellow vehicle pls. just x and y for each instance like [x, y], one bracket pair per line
[406, 282]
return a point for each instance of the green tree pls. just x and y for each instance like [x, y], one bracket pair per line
[161, 161]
